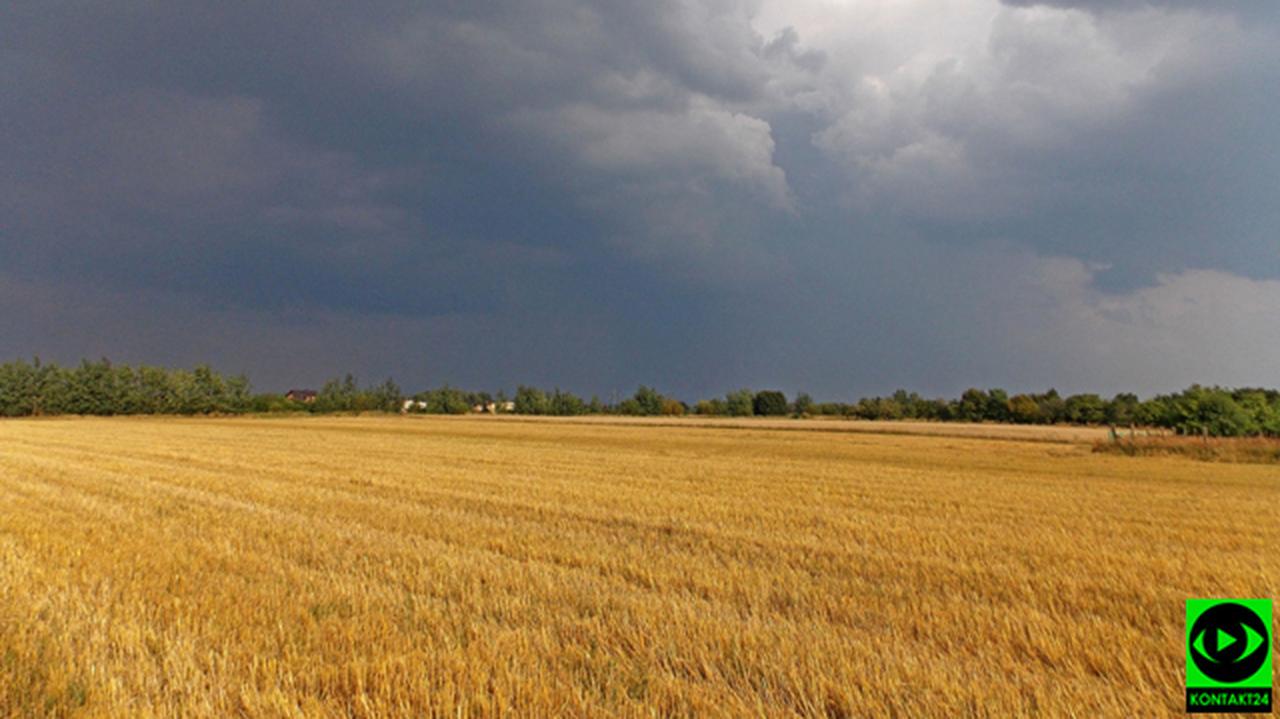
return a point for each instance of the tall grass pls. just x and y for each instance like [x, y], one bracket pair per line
[1254, 450]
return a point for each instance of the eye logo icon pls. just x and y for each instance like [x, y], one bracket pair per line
[1228, 646]
[1229, 643]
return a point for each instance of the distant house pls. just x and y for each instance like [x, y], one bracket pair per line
[494, 407]
[305, 396]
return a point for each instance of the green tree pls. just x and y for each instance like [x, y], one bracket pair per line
[1086, 409]
[1214, 412]
[336, 395]
[1269, 421]
[1052, 408]
[769, 403]
[387, 396]
[565, 404]
[972, 406]
[646, 401]
[997, 409]
[531, 400]
[91, 389]
[711, 407]
[156, 390]
[740, 403]
[20, 389]
[1023, 409]
[1123, 409]
[803, 405]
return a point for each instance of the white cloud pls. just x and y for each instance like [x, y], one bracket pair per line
[946, 109]
[701, 141]
[1190, 326]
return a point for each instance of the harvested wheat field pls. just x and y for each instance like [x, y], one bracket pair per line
[440, 567]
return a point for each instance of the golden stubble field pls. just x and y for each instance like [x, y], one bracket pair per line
[460, 567]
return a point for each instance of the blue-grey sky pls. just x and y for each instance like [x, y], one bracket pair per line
[838, 196]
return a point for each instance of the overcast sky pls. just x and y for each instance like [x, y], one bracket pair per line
[838, 196]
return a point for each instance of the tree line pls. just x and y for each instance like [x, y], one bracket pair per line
[104, 388]
[1197, 410]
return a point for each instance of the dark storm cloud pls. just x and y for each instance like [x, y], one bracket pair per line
[698, 194]
[407, 130]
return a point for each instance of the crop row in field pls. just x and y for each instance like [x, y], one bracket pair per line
[408, 566]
